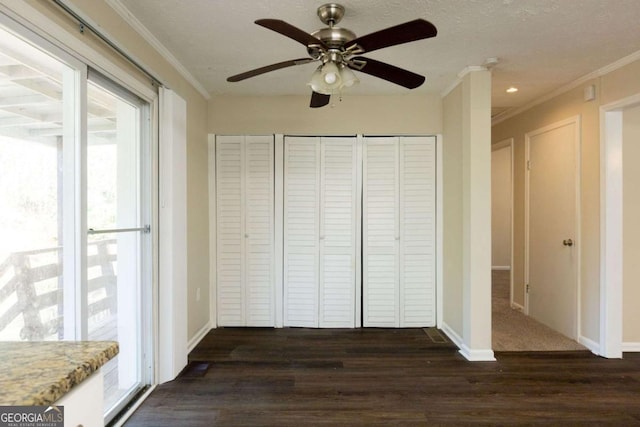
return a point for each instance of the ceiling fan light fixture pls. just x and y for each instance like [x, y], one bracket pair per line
[331, 75]
[327, 79]
[349, 78]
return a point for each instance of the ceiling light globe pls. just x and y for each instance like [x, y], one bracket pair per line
[330, 78]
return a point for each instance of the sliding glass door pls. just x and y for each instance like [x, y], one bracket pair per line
[75, 209]
[118, 235]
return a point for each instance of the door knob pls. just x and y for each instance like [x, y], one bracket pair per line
[567, 242]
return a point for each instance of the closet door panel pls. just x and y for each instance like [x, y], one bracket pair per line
[380, 233]
[230, 230]
[417, 231]
[259, 290]
[337, 232]
[301, 231]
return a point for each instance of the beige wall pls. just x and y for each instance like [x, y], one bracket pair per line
[197, 194]
[631, 225]
[452, 208]
[610, 87]
[501, 207]
[373, 115]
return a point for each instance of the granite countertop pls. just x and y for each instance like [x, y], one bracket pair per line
[39, 373]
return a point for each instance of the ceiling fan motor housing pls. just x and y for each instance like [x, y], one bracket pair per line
[331, 13]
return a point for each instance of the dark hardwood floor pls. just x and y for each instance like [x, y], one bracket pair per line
[297, 377]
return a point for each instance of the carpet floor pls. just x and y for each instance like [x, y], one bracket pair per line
[513, 331]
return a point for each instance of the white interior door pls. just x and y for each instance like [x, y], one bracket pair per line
[320, 229]
[381, 232]
[245, 231]
[399, 232]
[259, 231]
[230, 231]
[417, 231]
[552, 232]
[301, 231]
[338, 222]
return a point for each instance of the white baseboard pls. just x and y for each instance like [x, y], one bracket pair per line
[195, 340]
[629, 347]
[453, 336]
[501, 267]
[472, 355]
[590, 344]
[483, 355]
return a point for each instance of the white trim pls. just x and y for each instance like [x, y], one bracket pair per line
[611, 226]
[631, 347]
[453, 335]
[172, 271]
[471, 355]
[501, 267]
[439, 233]
[279, 229]
[616, 65]
[125, 417]
[359, 177]
[590, 344]
[470, 69]
[131, 19]
[198, 336]
[513, 226]
[213, 268]
[477, 355]
[460, 77]
[502, 144]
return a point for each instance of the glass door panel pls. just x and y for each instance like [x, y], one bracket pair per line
[115, 237]
[37, 105]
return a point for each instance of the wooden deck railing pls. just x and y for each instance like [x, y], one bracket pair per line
[31, 287]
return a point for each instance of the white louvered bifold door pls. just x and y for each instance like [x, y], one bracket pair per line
[380, 232]
[245, 231]
[259, 238]
[417, 231]
[338, 222]
[230, 230]
[301, 230]
[399, 232]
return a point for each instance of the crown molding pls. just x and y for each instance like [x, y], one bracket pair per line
[130, 19]
[622, 62]
[461, 74]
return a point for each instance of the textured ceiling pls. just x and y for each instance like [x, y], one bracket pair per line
[542, 44]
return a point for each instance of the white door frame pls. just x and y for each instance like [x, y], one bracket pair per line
[611, 227]
[576, 122]
[509, 142]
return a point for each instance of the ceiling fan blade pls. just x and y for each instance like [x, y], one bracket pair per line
[268, 68]
[387, 72]
[408, 32]
[290, 31]
[319, 100]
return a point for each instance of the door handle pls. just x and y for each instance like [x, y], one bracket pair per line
[146, 229]
[567, 242]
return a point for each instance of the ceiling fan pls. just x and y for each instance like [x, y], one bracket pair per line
[338, 49]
